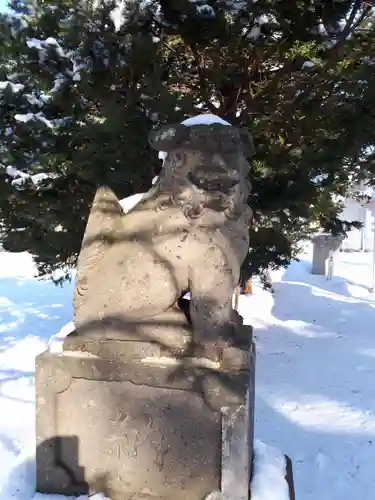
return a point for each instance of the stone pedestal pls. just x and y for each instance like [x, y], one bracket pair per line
[134, 421]
[323, 244]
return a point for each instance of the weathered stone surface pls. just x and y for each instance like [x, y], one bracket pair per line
[323, 244]
[140, 426]
[153, 396]
[190, 232]
[237, 445]
[167, 334]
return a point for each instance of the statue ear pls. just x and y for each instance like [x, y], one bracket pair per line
[168, 137]
[248, 147]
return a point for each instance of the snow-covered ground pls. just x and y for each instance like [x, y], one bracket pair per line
[315, 396]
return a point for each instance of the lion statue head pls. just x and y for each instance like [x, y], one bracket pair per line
[206, 167]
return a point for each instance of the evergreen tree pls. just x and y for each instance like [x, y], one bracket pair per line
[82, 83]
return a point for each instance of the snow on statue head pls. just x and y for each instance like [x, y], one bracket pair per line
[205, 119]
[205, 164]
[189, 232]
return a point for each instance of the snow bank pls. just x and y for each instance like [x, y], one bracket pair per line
[269, 467]
[20, 483]
[17, 265]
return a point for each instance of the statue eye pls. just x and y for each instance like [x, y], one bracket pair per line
[179, 160]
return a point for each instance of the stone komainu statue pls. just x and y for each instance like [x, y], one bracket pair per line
[189, 233]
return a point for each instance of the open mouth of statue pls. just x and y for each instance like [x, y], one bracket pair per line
[212, 180]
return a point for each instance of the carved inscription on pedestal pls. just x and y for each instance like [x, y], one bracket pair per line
[142, 439]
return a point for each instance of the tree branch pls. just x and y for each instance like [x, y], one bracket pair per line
[198, 60]
[350, 26]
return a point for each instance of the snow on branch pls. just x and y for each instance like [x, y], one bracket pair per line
[43, 47]
[14, 87]
[27, 117]
[20, 180]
